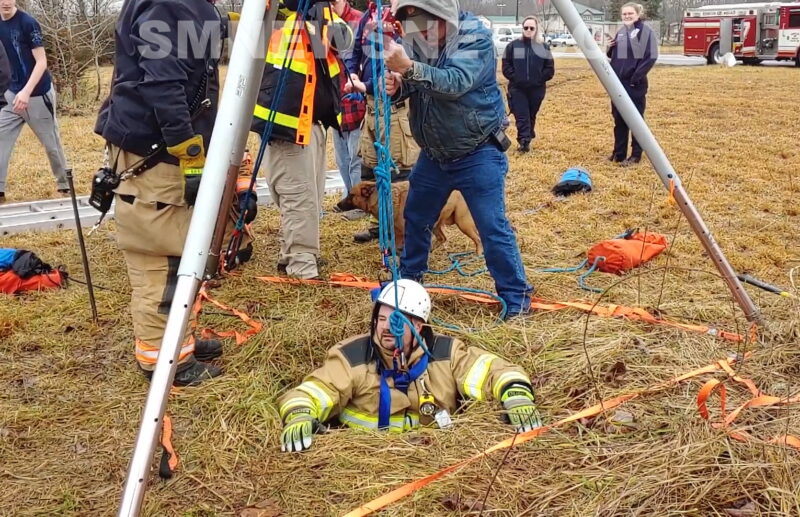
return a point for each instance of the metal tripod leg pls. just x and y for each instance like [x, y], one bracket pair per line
[597, 59]
[227, 145]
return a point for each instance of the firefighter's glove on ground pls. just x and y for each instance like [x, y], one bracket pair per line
[251, 204]
[520, 409]
[192, 157]
[298, 430]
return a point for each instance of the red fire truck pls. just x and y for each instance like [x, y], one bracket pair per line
[752, 32]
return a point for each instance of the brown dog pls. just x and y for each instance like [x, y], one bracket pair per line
[364, 196]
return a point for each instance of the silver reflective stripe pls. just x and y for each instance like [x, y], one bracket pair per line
[477, 375]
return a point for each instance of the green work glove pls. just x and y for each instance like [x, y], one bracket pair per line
[521, 412]
[192, 157]
[298, 430]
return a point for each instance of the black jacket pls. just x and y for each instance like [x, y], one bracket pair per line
[5, 72]
[527, 64]
[633, 53]
[160, 75]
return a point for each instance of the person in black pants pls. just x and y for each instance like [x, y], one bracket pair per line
[633, 53]
[528, 65]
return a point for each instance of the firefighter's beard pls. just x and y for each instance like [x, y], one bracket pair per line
[389, 342]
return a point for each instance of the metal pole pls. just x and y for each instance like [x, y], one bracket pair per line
[227, 145]
[84, 257]
[599, 62]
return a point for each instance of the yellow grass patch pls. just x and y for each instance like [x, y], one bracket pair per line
[72, 395]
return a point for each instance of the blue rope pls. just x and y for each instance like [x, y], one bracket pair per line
[562, 269]
[456, 264]
[266, 134]
[383, 180]
[591, 270]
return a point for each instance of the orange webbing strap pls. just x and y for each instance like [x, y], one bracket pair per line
[597, 409]
[241, 337]
[758, 400]
[608, 311]
[169, 458]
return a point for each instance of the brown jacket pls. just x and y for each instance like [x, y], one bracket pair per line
[347, 385]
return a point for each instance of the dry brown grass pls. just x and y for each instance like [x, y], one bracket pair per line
[72, 396]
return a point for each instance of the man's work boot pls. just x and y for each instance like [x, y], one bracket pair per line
[196, 373]
[613, 158]
[63, 191]
[370, 234]
[207, 349]
[191, 373]
[524, 146]
[2, 197]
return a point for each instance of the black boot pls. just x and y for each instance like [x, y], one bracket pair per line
[196, 373]
[370, 234]
[191, 373]
[207, 349]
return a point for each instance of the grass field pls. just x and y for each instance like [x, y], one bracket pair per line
[72, 396]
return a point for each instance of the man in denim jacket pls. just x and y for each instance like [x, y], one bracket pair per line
[456, 118]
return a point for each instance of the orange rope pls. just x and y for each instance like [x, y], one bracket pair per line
[241, 337]
[597, 409]
[607, 311]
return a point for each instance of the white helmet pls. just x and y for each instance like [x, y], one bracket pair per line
[412, 298]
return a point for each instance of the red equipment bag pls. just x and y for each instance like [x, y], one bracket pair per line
[621, 255]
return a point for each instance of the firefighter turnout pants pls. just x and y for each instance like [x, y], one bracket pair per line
[296, 178]
[152, 222]
[402, 146]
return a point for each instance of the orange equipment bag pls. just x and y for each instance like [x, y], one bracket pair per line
[12, 283]
[617, 256]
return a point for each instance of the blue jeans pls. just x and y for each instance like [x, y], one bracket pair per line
[347, 158]
[480, 177]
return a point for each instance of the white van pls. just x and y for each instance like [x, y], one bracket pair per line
[504, 35]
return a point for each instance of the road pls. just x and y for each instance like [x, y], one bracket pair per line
[672, 59]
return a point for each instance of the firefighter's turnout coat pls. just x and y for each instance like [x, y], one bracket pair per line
[348, 384]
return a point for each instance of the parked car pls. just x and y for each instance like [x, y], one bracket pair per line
[562, 40]
[502, 36]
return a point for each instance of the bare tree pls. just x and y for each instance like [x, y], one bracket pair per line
[79, 35]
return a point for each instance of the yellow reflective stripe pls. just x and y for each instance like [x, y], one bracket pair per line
[295, 403]
[282, 119]
[476, 377]
[506, 379]
[397, 423]
[319, 396]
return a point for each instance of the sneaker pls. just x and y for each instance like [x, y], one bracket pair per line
[615, 159]
[524, 147]
[207, 349]
[370, 234]
[633, 160]
[63, 191]
[519, 317]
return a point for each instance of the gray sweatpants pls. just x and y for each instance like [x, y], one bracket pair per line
[41, 117]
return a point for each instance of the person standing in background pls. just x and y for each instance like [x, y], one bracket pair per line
[528, 65]
[30, 97]
[633, 53]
